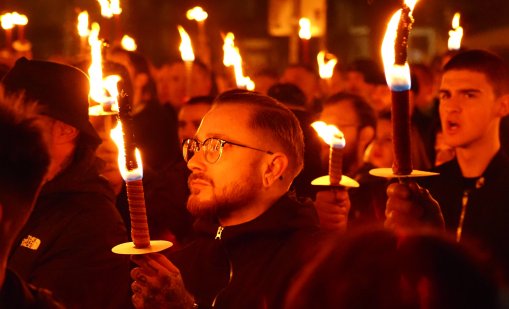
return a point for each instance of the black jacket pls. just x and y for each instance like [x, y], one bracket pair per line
[487, 211]
[249, 265]
[66, 244]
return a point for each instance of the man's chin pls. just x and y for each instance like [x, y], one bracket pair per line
[199, 207]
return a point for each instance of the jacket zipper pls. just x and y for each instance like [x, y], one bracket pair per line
[219, 232]
[464, 202]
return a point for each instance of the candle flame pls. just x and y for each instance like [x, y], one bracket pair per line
[232, 58]
[110, 8]
[456, 34]
[186, 49]
[128, 175]
[128, 43]
[19, 19]
[7, 21]
[330, 134]
[102, 90]
[397, 76]
[326, 68]
[83, 29]
[305, 28]
[197, 13]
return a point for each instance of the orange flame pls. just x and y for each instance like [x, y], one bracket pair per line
[110, 8]
[305, 28]
[19, 19]
[330, 134]
[232, 58]
[186, 48]
[197, 13]
[397, 76]
[128, 43]
[118, 137]
[456, 34]
[7, 21]
[83, 29]
[326, 68]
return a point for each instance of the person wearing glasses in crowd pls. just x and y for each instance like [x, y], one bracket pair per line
[253, 235]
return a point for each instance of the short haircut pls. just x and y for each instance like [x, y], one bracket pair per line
[23, 151]
[206, 99]
[365, 113]
[492, 66]
[274, 117]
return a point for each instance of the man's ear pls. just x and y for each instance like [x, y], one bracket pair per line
[275, 168]
[503, 109]
[366, 136]
[65, 133]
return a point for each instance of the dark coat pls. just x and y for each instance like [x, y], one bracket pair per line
[66, 244]
[487, 212]
[16, 294]
[249, 265]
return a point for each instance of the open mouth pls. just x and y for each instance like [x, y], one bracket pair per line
[452, 126]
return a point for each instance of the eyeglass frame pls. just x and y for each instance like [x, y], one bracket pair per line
[185, 143]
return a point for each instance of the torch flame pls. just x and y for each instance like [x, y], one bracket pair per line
[397, 76]
[326, 68]
[83, 30]
[232, 58]
[197, 13]
[456, 34]
[102, 91]
[110, 8]
[19, 19]
[305, 28]
[128, 175]
[128, 43]
[186, 49]
[7, 21]
[330, 134]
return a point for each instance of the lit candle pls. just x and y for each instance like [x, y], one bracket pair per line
[83, 30]
[397, 72]
[326, 67]
[199, 15]
[128, 43]
[456, 34]
[232, 58]
[305, 36]
[129, 162]
[336, 140]
[187, 55]
[21, 21]
[7, 24]
[110, 9]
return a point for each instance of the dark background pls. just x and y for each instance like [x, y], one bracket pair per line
[52, 25]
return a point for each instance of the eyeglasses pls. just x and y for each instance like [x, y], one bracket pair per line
[212, 148]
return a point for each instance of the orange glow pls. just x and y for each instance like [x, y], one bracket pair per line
[232, 58]
[456, 34]
[330, 134]
[397, 76]
[186, 48]
[305, 28]
[326, 68]
[128, 175]
[83, 29]
[19, 19]
[7, 21]
[197, 13]
[128, 43]
[110, 8]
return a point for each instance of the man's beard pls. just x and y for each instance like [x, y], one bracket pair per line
[233, 197]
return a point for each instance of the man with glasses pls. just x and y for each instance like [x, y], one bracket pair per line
[252, 235]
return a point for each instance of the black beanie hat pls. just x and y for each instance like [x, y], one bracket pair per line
[61, 90]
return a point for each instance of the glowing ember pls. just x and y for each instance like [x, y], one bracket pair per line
[305, 28]
[83, 29]
[326, 67]
[186, 49]
[456, 34]
[128, 43]
[232, 58]
[197, 13]
[128, 175]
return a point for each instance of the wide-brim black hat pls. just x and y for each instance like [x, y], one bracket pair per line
[60, 89]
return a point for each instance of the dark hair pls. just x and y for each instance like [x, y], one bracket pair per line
[23, 150]
[274, 117]
[288, 94]
[383, 269]
[492, 66]
[364, 111]
[207, 99]
[371, 70]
